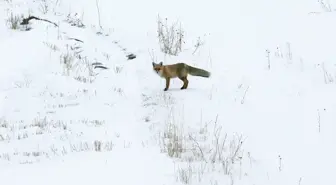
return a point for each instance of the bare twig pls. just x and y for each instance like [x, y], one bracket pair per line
[240, 143]
[26, 20]
[243, 99]
[153, 57]
[198, 44]
[199, 147]
[280, 163]
[268, 59]
[97, 63]
[289, 54]
[70, 38]
[101, 67]
[98, 15]
[328, 78]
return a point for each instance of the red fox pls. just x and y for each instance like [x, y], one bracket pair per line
[180, 70]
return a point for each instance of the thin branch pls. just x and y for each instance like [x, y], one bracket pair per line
[199, 147]
[70, 38]
[26, 20]
[98, 15]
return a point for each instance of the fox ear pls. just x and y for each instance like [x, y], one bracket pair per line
[153, 64]
[161, 63]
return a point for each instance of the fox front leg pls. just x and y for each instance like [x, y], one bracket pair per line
[167, 84]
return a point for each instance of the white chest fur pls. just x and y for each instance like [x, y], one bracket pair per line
[160, 73]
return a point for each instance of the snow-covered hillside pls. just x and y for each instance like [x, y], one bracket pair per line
[77, 108]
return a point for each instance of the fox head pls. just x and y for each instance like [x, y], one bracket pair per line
[157, 67]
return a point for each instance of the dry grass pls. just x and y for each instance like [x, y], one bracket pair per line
[13, 21]
[170, 36]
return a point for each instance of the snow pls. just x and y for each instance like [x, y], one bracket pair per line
[248, 124]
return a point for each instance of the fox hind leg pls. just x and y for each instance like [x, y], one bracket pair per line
[185, 82]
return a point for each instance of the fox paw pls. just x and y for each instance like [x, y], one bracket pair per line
[165, 89]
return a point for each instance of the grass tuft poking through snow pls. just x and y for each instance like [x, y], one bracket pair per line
[13, 21]
[171, 37]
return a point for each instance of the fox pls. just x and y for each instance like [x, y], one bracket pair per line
[179, 70]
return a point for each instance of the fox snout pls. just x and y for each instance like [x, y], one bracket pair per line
[158, 71]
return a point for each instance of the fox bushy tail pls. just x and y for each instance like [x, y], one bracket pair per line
[198, 72]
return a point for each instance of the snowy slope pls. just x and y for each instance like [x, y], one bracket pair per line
[265, 116]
